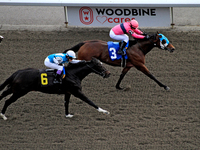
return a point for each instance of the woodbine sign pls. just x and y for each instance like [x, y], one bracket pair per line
[108, 17]
[104, 13]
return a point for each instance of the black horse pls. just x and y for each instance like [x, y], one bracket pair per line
[23, 81]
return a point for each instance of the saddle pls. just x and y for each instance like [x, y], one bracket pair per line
[48, 77]
[113, 48]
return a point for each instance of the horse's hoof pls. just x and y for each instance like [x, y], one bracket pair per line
[69, 116]
[3, 116]
[107, 113]
[167, 88]
[119, 88]
[103, 111]
[127, 88]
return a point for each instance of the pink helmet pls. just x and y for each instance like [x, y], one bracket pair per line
[134, 23]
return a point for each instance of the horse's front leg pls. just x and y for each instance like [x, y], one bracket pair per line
[144, 69]
[67, 97]
[158, 82]
[124, 71]
[80, 95]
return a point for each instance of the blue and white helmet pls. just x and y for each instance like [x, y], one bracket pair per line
[71, 54]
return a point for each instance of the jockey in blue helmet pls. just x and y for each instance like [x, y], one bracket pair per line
[57, 60]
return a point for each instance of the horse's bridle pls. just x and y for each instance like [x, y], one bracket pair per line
[165, 47]
[103, 74]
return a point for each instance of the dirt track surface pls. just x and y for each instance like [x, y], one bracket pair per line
[143, 117]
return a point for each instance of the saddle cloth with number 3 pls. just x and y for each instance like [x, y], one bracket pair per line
[113, 48]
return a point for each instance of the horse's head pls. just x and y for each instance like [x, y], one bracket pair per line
[162, 42]
[97, 68]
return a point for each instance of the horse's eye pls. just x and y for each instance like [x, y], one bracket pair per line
[163, 41]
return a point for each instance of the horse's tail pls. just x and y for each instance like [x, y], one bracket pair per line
[7, 82]
[75, 48]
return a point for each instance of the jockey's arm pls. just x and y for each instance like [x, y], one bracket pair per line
[74, 61]
[137, 36]
[57, 60]
[138, 31]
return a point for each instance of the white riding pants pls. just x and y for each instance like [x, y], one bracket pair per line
[52, 65]
[122, 37]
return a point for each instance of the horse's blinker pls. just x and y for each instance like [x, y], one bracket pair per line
[163, 41]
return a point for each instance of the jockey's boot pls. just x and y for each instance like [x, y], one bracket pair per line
[122, 46]
[58, 79]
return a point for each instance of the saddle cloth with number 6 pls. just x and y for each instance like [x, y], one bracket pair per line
[113, 48]
[47, 77]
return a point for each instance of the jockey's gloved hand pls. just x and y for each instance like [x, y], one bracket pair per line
[146, 37]
[144, 33]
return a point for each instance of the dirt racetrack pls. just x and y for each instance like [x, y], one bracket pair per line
[143, 117]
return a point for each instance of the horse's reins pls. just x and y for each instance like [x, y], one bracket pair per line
[101, 73]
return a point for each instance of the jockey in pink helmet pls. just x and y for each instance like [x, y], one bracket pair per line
[120, 31]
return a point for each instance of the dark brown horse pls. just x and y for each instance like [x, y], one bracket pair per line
[136, 54]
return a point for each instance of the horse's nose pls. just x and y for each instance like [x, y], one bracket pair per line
[172, 50]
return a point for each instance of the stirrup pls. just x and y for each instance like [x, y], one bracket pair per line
[121, 52]
[57, 81]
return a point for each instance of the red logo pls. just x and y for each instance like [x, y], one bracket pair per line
[86, 15]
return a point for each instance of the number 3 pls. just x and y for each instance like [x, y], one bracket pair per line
[44, 79]
[113, 52]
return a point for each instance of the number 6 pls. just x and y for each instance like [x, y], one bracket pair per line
[44, 79]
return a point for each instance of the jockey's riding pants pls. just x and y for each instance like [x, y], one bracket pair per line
[52, 65]
[122, 37]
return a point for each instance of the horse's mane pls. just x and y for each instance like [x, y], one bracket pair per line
[153, 36]
[82, 63]
[133, 42]
[75, 65]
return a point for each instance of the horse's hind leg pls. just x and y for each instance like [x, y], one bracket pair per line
[124, 71]
[5, 93]
[11, 100]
